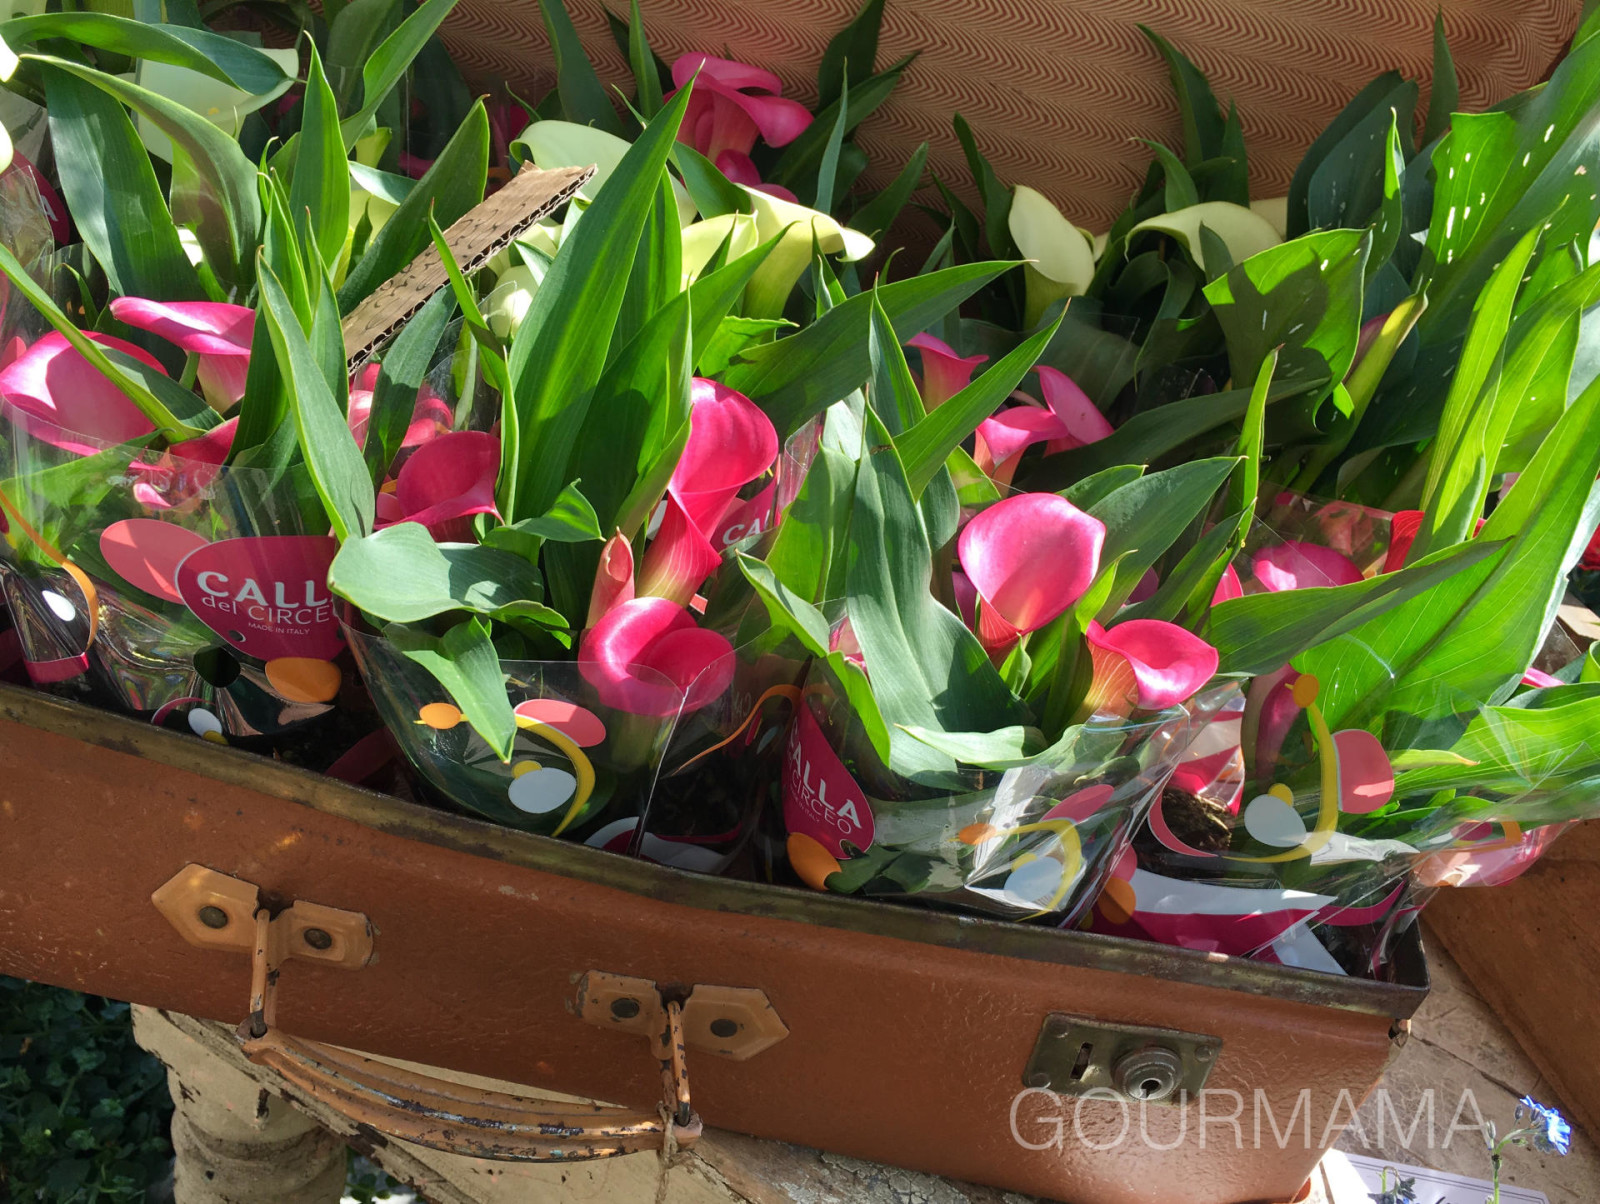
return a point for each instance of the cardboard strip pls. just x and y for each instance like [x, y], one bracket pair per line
[474, 240]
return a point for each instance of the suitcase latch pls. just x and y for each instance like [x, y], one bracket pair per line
[1079, 1056]
[730, 1022]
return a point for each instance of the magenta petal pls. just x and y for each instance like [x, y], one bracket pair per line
[944, 373]
[1228, 588]
[779, 191]
[1082, 419]
[678, 559]
[1168, 662]
[1540, 679]
[56, 395]
[1146, 587]
[739, 168]
[450, 478]
[222, 378]
[779, 121]
[1011, 431]
[430, 418]
[613, 578]
[966, 595]
[204, 327]
[210, 448]
[729, 72]
[1031, 556]
[731, 443]
[647, 657]
[1299, 565]
[358, 413]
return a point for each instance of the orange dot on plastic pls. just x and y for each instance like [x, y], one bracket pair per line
[1304, 690]
[1118, 902]
[442, 716]
[977, 833]
[304, 679]
[214, 737]
[522, 767]
[810, 860]
[1279, 790]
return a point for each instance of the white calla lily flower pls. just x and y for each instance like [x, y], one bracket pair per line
[702, 239]
[1062, 257]
[221, 104]
[553, 144]
[1242, 231]
[768, 290]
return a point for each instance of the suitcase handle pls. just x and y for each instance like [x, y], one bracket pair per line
[452, 1116]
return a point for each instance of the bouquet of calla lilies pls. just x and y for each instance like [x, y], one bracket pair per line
[1194, 582]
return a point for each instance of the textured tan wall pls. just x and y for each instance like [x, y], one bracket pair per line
[1057, 89]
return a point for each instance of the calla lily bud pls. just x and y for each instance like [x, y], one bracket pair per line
[508, 304]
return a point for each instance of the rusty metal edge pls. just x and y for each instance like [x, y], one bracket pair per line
[481, 839]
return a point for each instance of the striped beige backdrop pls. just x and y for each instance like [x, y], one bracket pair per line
[1057, 89]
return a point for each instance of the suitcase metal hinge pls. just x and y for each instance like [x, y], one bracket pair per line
[1079, 1056]
[729, 1022]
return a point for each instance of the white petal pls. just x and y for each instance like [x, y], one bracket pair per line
[1275, 209]
[1058, 248]
[774, 214]
[552, 144]
[701, 240]
[1244, 233]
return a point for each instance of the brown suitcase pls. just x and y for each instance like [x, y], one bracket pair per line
[910, 1035]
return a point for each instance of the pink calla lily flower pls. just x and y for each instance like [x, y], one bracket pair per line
[944, 373]
[1539, 679]
[1299, 565]
[733, 104]
[60, 398]
[1084, 422]
[731, 443]
[1403, 528]
[217, 332]
[182, 472]
[1069, 419]
[679, 558]
[443, 484]
[1167, 662]
[1228, 588]
[430, 417]
[647, 656]
[613, 578]
[1029, 557]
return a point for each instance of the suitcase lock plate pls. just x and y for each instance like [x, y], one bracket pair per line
[1079, 1056]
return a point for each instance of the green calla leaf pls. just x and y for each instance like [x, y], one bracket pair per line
[401, 575]
[465, 663]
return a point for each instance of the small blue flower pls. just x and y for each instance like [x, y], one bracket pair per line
[1551, 1132]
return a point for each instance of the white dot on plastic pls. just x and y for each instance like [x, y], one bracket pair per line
[1037, 881]
[202, 721]
[1274, 822]
[542, 790]
[64, 610]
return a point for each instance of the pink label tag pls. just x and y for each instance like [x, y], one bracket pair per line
[266, 595]
[752, 518]
[820, 798]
